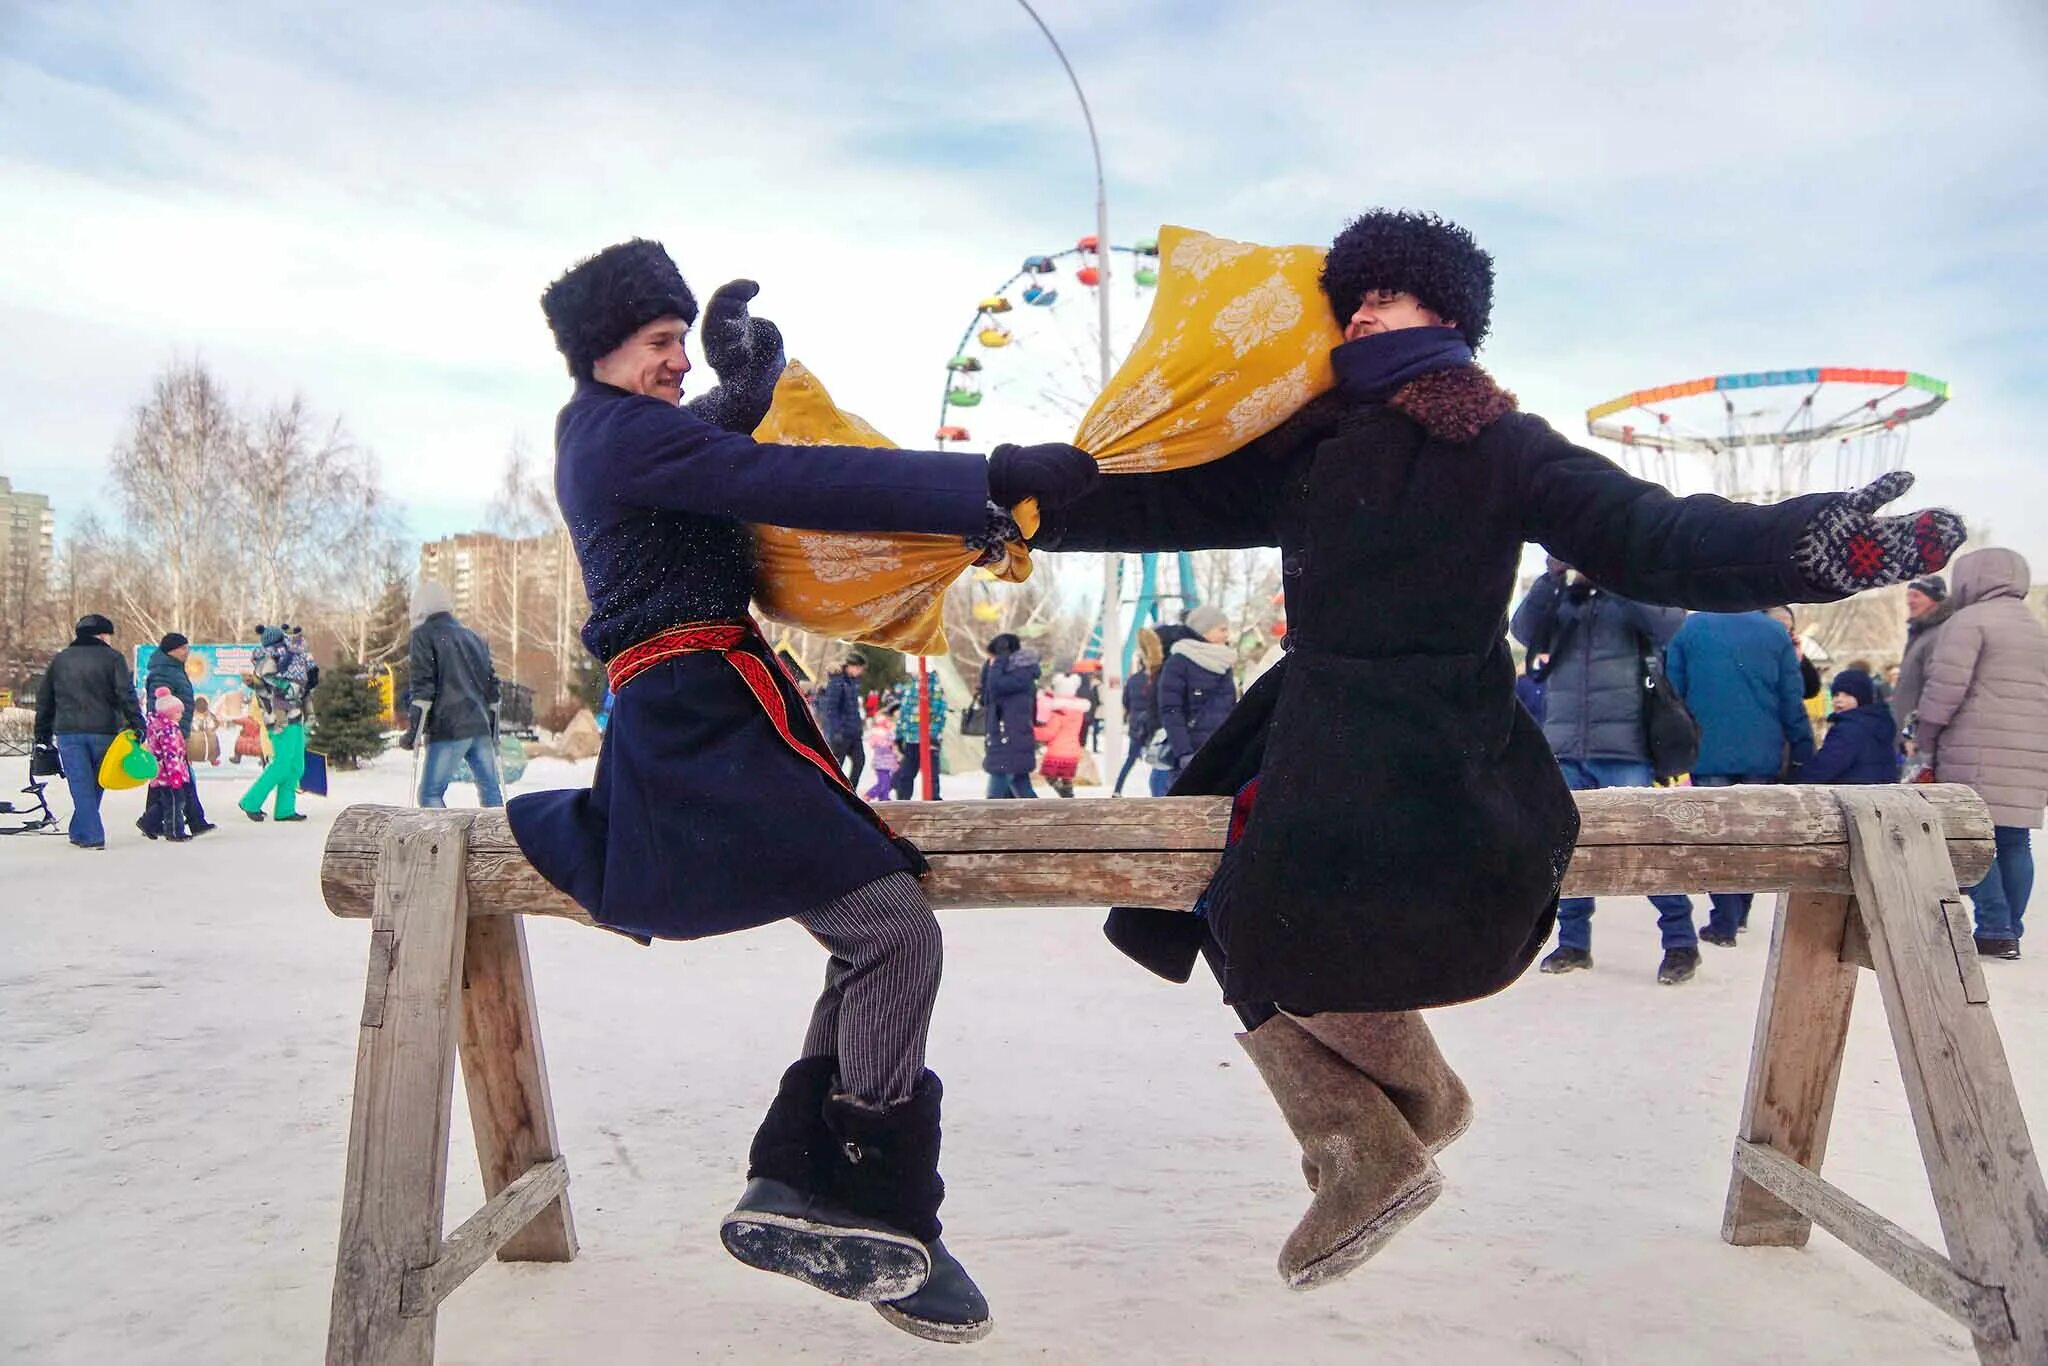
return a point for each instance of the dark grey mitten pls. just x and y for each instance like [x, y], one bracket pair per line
[745, 353]
[1847, 547]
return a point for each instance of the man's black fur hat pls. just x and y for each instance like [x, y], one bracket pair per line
[602, 301]
[1419, 253]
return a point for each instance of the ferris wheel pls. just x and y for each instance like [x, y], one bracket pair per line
[1028, 363]
[1768, 435]
[1028, 366]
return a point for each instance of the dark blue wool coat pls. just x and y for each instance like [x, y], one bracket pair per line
[839, 709]
[1861, 748]
[1739, 674]
[702, 819]
[1411, 828]
[1009, 698]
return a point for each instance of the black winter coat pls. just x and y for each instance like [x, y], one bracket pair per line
[1411, 827]
[839, 713]
[87, 690]
[1192, 703]
[451, 668]
[1141, 710]
[1862, 747]
[166, 672]
[1593, 685]
[1009, 700]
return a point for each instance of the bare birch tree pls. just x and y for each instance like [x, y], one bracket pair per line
[174, 476]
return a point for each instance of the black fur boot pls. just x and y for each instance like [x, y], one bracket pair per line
[791, 1220]
[890, 1170]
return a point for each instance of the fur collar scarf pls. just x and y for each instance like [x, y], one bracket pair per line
[1454, 405]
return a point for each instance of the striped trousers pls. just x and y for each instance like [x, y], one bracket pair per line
[880, 984]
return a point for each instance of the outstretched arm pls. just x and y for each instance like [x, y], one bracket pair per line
[1705, 552]
[1226, 504]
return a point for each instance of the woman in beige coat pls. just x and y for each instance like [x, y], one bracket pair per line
[1984, 721]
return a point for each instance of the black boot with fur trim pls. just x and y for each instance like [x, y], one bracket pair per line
[791, 1219]
[890, 1171]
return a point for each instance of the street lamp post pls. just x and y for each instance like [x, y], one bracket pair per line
[1112, 626]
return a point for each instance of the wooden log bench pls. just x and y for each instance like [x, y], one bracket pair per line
[1869, 879]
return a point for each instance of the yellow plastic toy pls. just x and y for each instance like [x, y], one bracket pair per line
[127, 764]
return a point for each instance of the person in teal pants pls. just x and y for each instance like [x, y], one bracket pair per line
[283, 700]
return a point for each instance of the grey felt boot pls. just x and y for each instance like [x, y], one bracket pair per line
[1372, 1174]
[1397, 1050]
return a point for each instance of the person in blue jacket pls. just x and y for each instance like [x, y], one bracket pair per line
[1862, 736]
[1740, 675]
[716, 805]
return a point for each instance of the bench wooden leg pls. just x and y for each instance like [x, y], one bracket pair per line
[506, 1075]
[405, 1076]
[1795, 1063]
[1980, 1159]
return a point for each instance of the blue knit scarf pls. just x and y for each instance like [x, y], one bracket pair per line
[1373, 368]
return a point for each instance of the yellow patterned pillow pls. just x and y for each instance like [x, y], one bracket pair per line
[881, 589]
[1238, 340]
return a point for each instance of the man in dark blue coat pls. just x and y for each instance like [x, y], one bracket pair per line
[1593, 643]
[841, 717]
[716, 804]
[1739, 675]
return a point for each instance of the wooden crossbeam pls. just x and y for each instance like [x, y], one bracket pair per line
[1161, 851]
[501, 1219]
[1879, 1241]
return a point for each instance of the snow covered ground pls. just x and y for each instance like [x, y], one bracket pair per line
[178, 1028]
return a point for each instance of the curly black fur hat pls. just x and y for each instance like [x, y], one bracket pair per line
[601, 301]
[1419, 253]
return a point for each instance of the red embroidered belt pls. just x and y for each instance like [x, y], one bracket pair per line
[731, 639]
[719, 636]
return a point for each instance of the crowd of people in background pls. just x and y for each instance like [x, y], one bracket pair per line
[89, 706]
[1967, 703]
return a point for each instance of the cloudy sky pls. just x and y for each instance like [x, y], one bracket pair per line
[361, 202]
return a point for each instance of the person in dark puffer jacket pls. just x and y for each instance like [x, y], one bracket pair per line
[1197, 685]
[1862, 737]
[1592, 642]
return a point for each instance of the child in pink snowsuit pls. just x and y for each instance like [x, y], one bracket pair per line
[166, 740]
[882, 755]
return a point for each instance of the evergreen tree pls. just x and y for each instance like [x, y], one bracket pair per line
[387, 637]
[348, 716]
[587, 680]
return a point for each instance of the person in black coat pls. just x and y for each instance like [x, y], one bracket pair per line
[452, 683]
[86, 698]
[1404, 827]
[716, 805]
[842, 717]
[167, 670]
[1863, 736]
[1197, 685]
[1009, 701]
[1141, 710]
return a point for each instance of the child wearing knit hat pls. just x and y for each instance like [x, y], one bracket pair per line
[164, 738]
